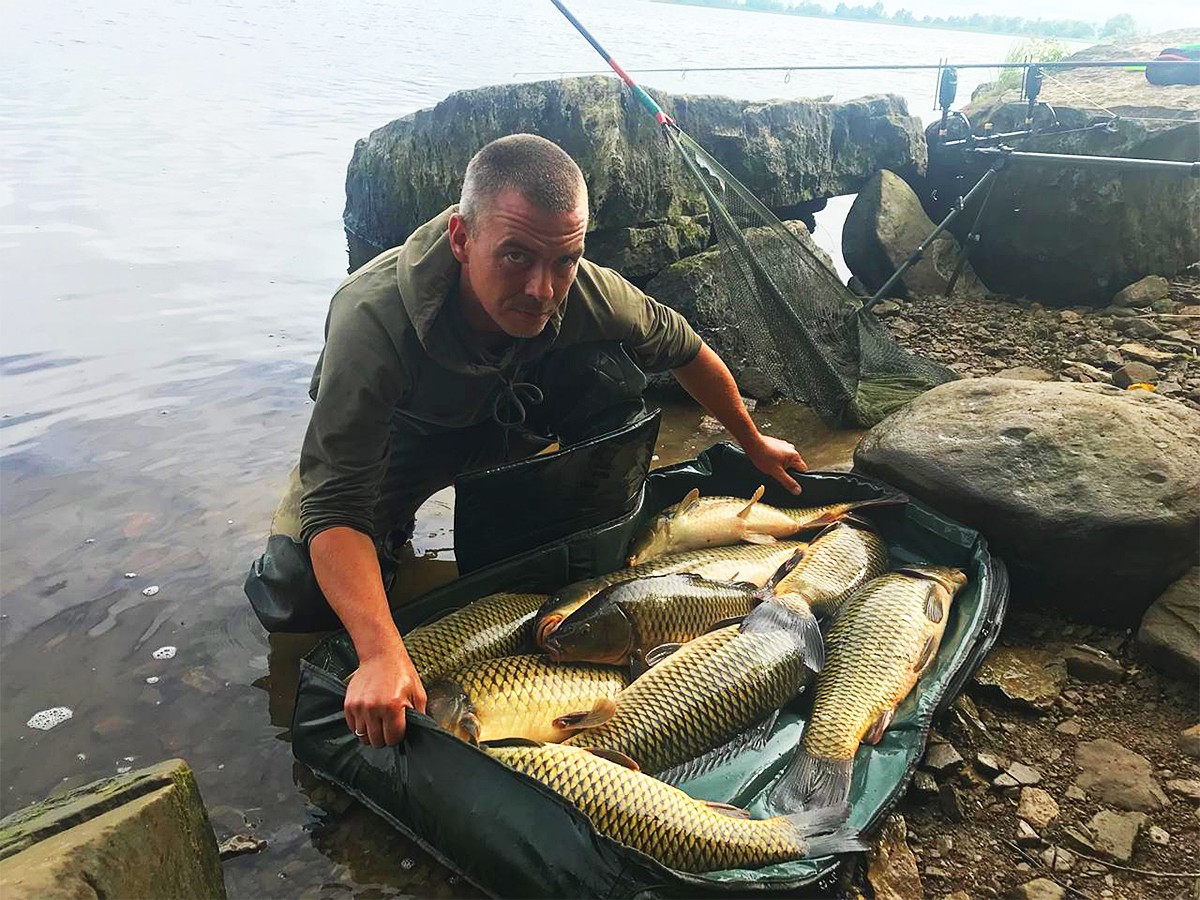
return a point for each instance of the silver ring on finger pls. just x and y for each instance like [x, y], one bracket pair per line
[360, 734]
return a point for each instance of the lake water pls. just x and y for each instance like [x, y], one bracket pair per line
[171, 188]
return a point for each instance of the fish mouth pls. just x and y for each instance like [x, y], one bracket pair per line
[546, 628]
[553, 650]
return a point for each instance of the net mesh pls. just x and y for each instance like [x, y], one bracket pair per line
[808, 333]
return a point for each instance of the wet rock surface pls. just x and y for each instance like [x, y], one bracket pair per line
[1169, 636]
[891, 866]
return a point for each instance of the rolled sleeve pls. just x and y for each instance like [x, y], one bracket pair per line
[345, 451]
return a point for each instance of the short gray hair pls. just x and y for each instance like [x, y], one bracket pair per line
[540, 170]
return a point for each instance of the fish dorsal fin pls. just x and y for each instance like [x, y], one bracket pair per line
[749, 506]
[692, 498]
[604, 709]
[727, 809]
[511, 742]
[614, 756]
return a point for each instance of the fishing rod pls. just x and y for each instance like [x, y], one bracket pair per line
[862, 67]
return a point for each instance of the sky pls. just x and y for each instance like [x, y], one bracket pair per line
[1157, 15]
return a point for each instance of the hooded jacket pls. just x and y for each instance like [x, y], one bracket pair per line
[398, 347]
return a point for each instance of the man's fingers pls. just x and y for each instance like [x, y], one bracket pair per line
[393, 727]
[374, 729]
[798, 463]
[787, 481]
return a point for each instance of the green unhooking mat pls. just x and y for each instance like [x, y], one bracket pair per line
[511, 836]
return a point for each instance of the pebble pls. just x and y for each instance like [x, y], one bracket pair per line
[1040, 889]
[1115, 775]
[1071, 727]
[941, 756]
[131, 574]
[1037, 807]
[1004, 782]
[239, 845]
[1058, 859]
[1115, 833]
[150, 591]
[1026, 836]
[164, 653]
[1094, 666]
[1189, 741]
[1186, 787]
[153, 679]
[988, 764]
[1075, 793]
[1159, 836]
[1024, 774]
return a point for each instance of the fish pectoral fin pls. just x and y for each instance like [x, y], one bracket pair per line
[727, 809]
[604, 710]
[752, 739]
[661, 652]
[637, 665]
[926, 657]
[749, 506]
[722, 623]
[511, 742]
[934, 609]
[875, 734]
[692, 498]
[753, 537]
[614, 756]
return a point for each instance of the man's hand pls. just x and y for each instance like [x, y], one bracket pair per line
[774, 457]
[379, 693]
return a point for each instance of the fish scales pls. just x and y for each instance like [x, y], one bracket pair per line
[701, 697]
[676, 609]
[522, 696]
[492, 626]
[872, 649]
[836, 564]
[654, 817]
[749, 563]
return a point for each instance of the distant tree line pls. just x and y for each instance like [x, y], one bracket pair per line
[1116, 28]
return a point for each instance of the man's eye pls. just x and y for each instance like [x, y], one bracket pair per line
[515, 256]
[568, 262]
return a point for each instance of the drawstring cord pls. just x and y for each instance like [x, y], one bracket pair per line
[509, 406]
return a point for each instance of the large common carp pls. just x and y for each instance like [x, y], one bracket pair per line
[523, 697]
[696, 522]
[836, 563]
[624, 622]
[492, 626]
[712, 689]
[665, 823]
[882, 641]
[748, 563]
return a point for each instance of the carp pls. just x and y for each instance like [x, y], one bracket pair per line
[623, 622]
[883, 640]
[696, 522]
[665, 823]
[707, 694]
[523, 697]
[746, 563]
[492, 626]
[837, 562]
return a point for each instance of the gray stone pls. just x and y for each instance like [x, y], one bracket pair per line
[1142, 329]
[1133, 372]
[1005, 782]
[1074, 792]
[1041, 889]
[1025, 775]
[924, 785]
[891, 866]
[1143, 292]
[953, 804]
[1026, 835]
[884, 226]
[1018, 459]
[1169, 636]
[1115, 775]
[1115, 833]
[1037, 807]
[1147, 354]
[142, 834]
[1027, 675]
[1189, 741]
[1025, 373]
[1159, 836]
[1185, 787]
[1093, 666]
[887, 308]
[1079, 839]
[787, 152]
[988, 764]
[641, 252]
[941, 756]
[240, 845]
[1071, 727]
[1058, 859]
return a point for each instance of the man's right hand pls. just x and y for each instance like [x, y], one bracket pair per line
[386, 684]
[382, 689]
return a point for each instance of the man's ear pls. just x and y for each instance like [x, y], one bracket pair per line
[458, 237]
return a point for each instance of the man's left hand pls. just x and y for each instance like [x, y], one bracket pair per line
[774, 457]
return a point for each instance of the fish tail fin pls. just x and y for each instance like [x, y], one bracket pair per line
[783, 571]
[825, 832]
[812, 783]
[793, 616]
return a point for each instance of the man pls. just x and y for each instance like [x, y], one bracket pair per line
[481, 339]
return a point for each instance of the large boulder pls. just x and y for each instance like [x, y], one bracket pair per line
[641, 252]
[787, 152]
[885, 225]
[141, 834]
[1169, 636]
[1090, 494]
[696, 287]
[1075, 234]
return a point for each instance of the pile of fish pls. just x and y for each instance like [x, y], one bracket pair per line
[616, 689]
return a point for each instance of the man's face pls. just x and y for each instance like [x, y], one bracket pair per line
[518, 262]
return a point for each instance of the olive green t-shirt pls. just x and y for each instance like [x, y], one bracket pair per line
[396, 344]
